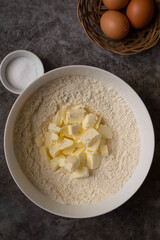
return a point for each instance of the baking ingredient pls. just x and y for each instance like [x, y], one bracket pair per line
[74, 128]
[20, 72]
[106, 131]
[62, 148]
[90, 136]
[114, 25]
[89, 121]
[115, 4]
[93, 160]
[74, 116]
[81, 172]
[70, 164]
[97, 98]
[140, 12]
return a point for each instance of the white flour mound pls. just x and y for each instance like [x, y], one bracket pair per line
[124, 148]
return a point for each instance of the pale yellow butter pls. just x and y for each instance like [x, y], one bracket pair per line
[82, 172]
[106, 131]
[54, 165]
[75, 116]
[104, 150]
[66, 143]
[90, 136]
[93, 160]
[89, 121]
[74, 128]
[54, 136]
[94, 147]
[54, 151]
[70, 164]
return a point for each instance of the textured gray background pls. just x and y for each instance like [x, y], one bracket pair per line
[51, 30]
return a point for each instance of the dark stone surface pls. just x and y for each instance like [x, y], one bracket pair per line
[51, 30]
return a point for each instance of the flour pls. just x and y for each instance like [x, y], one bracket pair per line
[124, 148]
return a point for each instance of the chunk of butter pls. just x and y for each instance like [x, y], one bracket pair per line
[66, 143]
[74, 128]
[70, 164]
[54, 151]
[93, 160]
[69, 150]
[81, 155]
[54, 165]
[90, 136]
[79, 144]
[106, 131]
[58, 158]
[82, 172]
[89, 121]
[53, 127]
[75, 116]
[64, 132]
[104, 150]
[98, 122]
[94, 147]
[59, 118]
[54, 136]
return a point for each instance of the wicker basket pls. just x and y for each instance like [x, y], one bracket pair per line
[89, 13]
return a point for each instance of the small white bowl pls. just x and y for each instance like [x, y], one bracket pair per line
[19, 54]
[145, 130]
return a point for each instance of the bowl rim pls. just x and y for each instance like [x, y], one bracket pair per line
[122, 201]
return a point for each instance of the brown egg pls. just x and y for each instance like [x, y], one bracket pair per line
[140, 12]
[115, 4]
[115, 25]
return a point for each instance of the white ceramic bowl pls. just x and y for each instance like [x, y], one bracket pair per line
[146, 135]
[36, 62]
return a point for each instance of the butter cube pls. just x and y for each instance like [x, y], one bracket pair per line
[104, 150]
[66, 143]
[39, 140]
[98, 122]
[69, 150]
[82, 172]
[54, 136]
[54, 165]
[89, 121]
[79, 144]
[54, 151]
[44, 154]
[75, 116]
[48, 142]
[53, 127]
[81, 155]
[90, 136]
[74, 128]
[94, 147]
[93, 160]
[59, 118]
[64, 132]
[106, 131]
[58, 158]
[70, 164]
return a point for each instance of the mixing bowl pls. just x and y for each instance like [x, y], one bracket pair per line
[146, 136]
